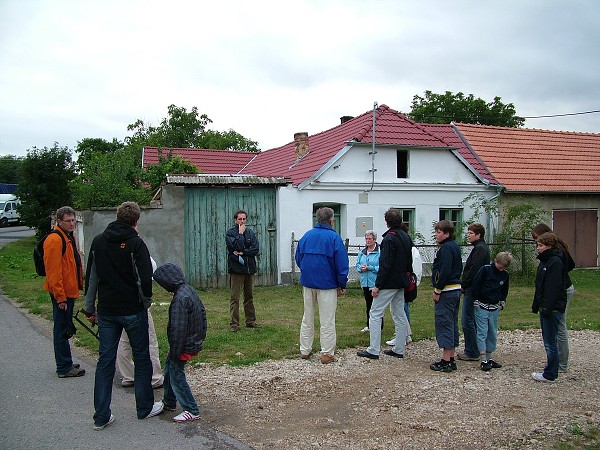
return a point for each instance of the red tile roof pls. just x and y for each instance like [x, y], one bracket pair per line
[531, 160]
[448, 135]
[391, 128]
[207, 160]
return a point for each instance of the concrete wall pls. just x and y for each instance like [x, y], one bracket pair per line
[161, 227]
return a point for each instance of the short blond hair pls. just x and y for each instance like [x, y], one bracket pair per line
[504, 259]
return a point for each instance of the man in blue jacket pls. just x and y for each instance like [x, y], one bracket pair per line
[323, 261]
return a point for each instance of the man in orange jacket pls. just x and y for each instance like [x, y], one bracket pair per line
[64, 279]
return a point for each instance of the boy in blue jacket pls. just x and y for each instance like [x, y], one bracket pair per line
[186, 331]
[489, 291]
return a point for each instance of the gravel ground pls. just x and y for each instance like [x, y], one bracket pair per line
[356, 403]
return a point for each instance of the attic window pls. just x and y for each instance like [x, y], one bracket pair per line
[402, 163]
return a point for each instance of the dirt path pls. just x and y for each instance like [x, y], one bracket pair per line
[389, 403]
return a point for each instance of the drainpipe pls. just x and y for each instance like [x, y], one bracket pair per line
[373, 152]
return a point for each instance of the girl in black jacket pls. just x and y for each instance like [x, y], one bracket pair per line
[550, 300]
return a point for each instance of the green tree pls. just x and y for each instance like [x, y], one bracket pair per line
[44, 184]
[10, 166]
[449, 107]
[227, 140]
[87, 147]
[108, 179]
[155, 174]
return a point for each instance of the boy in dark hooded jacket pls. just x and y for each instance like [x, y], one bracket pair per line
[186, 331]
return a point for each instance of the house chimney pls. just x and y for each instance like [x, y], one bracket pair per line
[345, 119]
[301, 143]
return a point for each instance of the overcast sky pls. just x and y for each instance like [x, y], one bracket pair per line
[74, 69]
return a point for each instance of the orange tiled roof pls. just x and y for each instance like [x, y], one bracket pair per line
[392, 127]
[206, 160]
[531, 160]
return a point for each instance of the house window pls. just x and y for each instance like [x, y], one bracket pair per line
[408, 217]
[402, 164]
[336, 214]
[454, 215]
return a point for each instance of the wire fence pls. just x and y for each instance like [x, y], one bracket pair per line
[523, 252]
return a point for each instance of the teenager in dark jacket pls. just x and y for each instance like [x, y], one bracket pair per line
[550, 300]
[569, 264]
[489, 290]
[186, 331]
[479, 256]
[445, 277]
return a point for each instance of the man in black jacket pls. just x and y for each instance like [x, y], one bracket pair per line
[479, 256]
[114, 256]
[394, 260]
[242, 248]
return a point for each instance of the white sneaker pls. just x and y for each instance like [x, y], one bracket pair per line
[365, 330]
[408, 339]
[391, 341]
[186, 416]
[539, 376]
[156, 409]
[111, 419]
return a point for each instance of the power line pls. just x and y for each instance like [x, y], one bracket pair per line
[562, 115]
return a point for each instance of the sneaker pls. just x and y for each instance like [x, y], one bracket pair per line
[156, 409]
[366, 354]
[486, 365]
[168, 407]
[539, 376]
[326, 359]
[253, 325]
[235, 328]
[365, 330]
[393, 353]
[126, 383]
[408, 340]
[111, 419]
[391, 342]
[494, 364]
[441, 366]
[303, 356]
[465, 357]
[453, 365]
[186, 416]
[74, 372]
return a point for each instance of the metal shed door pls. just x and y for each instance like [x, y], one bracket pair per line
[209, 214]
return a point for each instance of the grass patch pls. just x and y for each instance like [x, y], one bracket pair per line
[279, 310]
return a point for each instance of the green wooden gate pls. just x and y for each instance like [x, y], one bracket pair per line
[209, 214]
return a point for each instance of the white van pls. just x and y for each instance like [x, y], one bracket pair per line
[8, 210]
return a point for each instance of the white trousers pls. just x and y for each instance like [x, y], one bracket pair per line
[394, 298]
[326, 300]
[125, 362]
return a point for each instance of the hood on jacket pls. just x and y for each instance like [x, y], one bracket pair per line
[169, 276]
[119, 231]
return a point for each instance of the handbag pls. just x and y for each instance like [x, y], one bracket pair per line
[410, 289]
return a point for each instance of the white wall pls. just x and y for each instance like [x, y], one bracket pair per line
[437, 180]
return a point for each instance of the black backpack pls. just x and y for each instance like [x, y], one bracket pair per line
[38, 253]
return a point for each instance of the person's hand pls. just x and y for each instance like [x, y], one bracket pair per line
[62, 306]
[375, 292]
[242, 228]
[341, 291]
[435, 296]
[90, 316]
[364, 268]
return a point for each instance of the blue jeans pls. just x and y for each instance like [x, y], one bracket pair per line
[177, 388]
[549, 325]
[406, 311]
[110, 329]
[446, 319]
[487, 329]
[563, 335]
[469, 326]
[62, 348]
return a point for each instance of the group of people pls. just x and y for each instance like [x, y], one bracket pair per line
[117, 280]
[482, 282]
[120, 271]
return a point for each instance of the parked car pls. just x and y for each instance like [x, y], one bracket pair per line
[8, 210]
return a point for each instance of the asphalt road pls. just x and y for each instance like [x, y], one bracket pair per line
[38, 410]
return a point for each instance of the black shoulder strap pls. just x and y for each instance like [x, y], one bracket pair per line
[64, 243]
